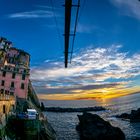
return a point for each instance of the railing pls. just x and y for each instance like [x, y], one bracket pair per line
[6, 97]
[12, 89]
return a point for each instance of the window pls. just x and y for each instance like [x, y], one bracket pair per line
[23, 76]
[22, 85]
[6, 67]
[24, 71]
[2, 83]
[11, 60]
[4, 109]
[16, 69]
[11, 93]
[13, 75]
[6, 92]
[12, 84]
[4, 73]
[2, 91]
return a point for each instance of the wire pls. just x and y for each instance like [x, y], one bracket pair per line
[56, 23]
[75, 27]
[82, 9]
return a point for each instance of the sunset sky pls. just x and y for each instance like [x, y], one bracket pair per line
[106, 58]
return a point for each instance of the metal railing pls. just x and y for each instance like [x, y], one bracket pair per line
[6, 97]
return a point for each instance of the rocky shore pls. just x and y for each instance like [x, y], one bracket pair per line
[59, 109]
[134, 116]
[93, 127]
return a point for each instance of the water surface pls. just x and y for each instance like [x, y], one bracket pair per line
[65, 123]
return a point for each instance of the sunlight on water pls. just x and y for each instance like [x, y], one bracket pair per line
[65, 123]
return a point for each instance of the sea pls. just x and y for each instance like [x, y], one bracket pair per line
[65, 123]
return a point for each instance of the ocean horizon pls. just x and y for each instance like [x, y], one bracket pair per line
[64, 123]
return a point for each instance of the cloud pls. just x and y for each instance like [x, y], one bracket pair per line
[33, 14]
[81, 28]
[40, 11]
[77, 88]
[92, 67]
[47, 7]
[129, 8]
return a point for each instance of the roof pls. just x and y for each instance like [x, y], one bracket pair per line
[21, 51]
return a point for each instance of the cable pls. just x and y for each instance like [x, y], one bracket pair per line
[82, 9]
[56, 23]
[76, 22]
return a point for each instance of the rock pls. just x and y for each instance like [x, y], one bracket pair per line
[124, 116]
[59, 109]
[93, 127]
[47, 132]
[134, 116]
[42, 106]
[32, 96]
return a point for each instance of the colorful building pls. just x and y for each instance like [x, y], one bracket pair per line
[14, 71]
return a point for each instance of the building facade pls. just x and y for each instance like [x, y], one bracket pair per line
[14, 72]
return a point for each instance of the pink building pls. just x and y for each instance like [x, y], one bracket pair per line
[14, 72]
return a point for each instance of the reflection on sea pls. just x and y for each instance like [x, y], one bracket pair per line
[65, 123]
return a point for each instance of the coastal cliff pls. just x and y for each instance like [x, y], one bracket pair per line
[38, 129]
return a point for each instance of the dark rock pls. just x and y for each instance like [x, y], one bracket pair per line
[59, 109]
[47, 132]
[124, 116]
[32, 96]
[134, 116]
[42, 106]
[93, 127]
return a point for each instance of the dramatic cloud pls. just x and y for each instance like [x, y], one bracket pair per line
[92, 68]
[128, 7]
[78, 88]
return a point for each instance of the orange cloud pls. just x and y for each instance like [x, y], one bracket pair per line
[105, 93]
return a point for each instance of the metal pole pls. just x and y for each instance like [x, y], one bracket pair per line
[68, 5]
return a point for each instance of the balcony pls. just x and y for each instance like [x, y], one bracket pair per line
[12, 89]
[5, 97]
